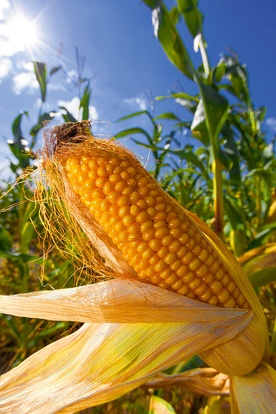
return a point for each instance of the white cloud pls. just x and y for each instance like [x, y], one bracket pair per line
[5, 66]
[73, 107]
[141, 103]
[4, 4]
[23, 81]
[271, 123]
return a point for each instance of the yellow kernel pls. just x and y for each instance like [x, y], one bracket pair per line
[171, 279]
[127, 191]
[196, 282]
[236, 293]
[124, 211]
[162, 232]
[142, 217]
[92, 175]
[162, 252]
[210, 259]
[142, 247]
[115, 178]
[171, 216]
[190, 244]
[93, 165]
[123, 200]
[143, 181]
[100, 182]
[134, 197]
[223, 296]
[96, 194]
[118, 170]
[133, 228]
[114, 161]
[230, 303]
[109, 168]
[160, 216]
[214, 267]
[151, 212]
[160, 266]
[188, 258]
[174, 246]
[195, 264]
[231, 286]
[191, 295]
[143, 264]
[120, 186]
[183, 290]
[200, 289]
[184, 238]
[155, 244]
[150, 201]
[159, 224]
[176, 265]
[160, 206]
[174, 223]
[182, 271]
[206, 295]
[203, 255]
[119, 227]
[132, 171]
[156, 280]
[196, 250]
[108, 188]
[240, 299]
[203, 269]
[146, 226]
[147, 254]
[219, 275]
[128, 220]
[101, 171]
[166, 241]
[158, 199]
[125, 175]
[177, 285]
[148, 235]
[142, 203]
[208, 278]
[170, 258]
[184, 227]
[149, 272]
[176, 233]
[166, 273]
[182, 251]
[144, 191]
[213, 300]
[131, 182]
[216, 287]
[189, 277]
[154, 259]
[135, 210]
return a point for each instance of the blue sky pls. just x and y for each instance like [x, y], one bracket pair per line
[126, 63]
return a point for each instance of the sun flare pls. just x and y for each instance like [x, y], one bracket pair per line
[23, 33]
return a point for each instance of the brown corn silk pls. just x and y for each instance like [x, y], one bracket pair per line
[136, 230]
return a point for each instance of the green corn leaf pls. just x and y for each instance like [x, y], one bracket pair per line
[84, 103]
[131, 131]
[67, 116]
[40, 71]
[158, 406]
[166, 32]
[133, 115]
[192, 15]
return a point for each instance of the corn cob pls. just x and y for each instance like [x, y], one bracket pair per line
[156, 238]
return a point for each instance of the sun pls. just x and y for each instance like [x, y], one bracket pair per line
[22, 33]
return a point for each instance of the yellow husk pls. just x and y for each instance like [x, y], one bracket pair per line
[102, 361]
[132, 330]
